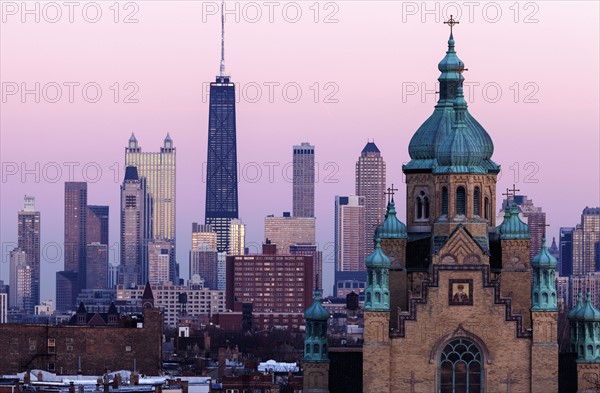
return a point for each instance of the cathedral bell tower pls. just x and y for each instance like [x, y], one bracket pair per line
[316, 360]
[544, 317]
[451, 178]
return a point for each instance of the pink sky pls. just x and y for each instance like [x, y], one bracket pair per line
[373, 52]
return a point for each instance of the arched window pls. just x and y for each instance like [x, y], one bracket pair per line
[486, 208]
[422, 206]
[316, 349]
[460, 201]
[460, 367]
[477, 202]
[377, 297]
[445, 200]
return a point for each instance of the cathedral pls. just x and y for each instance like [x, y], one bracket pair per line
[453, 301]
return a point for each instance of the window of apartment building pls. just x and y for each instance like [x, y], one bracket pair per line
[51, 345]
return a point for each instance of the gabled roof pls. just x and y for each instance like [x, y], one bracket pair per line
[439, 242]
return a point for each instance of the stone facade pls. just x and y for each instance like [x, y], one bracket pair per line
[58, 348]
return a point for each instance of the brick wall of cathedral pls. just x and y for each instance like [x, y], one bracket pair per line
[414, 358]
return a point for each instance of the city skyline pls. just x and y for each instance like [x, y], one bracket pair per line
[512, 144]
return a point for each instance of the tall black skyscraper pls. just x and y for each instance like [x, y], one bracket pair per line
[221, 172]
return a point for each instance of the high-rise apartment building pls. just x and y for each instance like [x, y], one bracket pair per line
[278, 286]
[237, 237]
[157, 169]
[536, 220]
[565, 251]
[303, 180]
[317, 258]
[21, 275]
[586, 242]
[97, 224]
[136, 230]
[159, 256]
[96, 266]
[221, 166]
[349, 244]
[370, 184]
[203, 235]
[204, 263]
[28, 234]
[286, 231]
[204, 255]
[349, 233]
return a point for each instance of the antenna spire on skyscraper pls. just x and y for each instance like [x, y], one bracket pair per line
[222, 69]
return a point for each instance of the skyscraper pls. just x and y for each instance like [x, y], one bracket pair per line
[75, 225]
[203, 255]
[586, 242]
[20, 280]
[204, 263]
[349, 245]
[97, 224]
[157, 169]
[304, 180]
[370, 184]
[237, 237]
[29, 242]
[221, 168]
[565, 251]
[203, 234]
[96, 267]
[135, 230]
[69, 282]
[159, 252]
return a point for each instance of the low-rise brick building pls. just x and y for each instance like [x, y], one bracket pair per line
[91, 350]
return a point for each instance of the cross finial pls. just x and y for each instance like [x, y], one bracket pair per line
[510, 193]
[390, 193]
[545, 225]
[451, 22]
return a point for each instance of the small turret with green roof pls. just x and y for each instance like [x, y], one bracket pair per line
[391, 227]
[584, 321]
[377, 294]
[543, 291]
[315, 338]
[512, 228]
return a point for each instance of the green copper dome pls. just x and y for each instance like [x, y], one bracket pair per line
[544, 258]
[391, 228]
[512, 227]
[316, 312]
[587, 312]
[459, 149]
[572, 314]
[436, 145]
[427, 139]
[377, 257]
